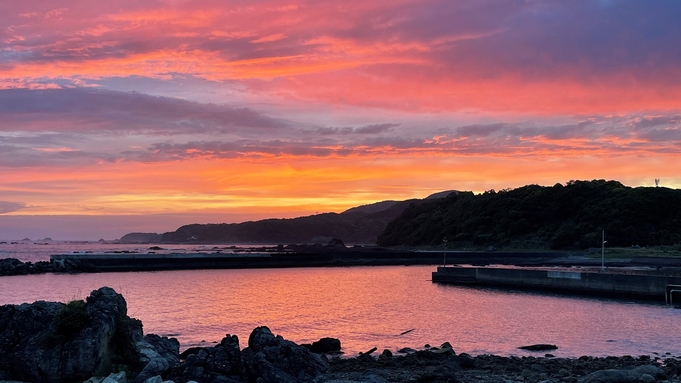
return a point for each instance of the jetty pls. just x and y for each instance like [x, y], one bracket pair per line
[612, 282]
[113, 262]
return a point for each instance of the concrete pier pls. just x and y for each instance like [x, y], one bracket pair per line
[609, 283]
[252, 260]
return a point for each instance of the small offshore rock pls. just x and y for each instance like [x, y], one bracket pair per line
[539, 347]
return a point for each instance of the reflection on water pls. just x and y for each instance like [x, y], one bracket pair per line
[366, 307]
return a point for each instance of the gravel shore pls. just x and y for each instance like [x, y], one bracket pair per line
[430, 366]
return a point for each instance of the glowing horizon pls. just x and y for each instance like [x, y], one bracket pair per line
[224, 111]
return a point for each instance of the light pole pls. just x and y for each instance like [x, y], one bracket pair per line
[444, 252]
[603, 253]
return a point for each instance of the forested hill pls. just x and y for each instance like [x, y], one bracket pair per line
[558, 217]
[357, 225]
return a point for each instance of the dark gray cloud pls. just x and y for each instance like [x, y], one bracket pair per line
[367, 129]
[83, 110]
[82, 126]
[8, 207]
[224, 149]
[480, 130]
[650, 122]
[376, 128]
[583, 129]
[665, 135]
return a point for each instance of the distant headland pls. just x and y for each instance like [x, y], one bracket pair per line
[560, 217]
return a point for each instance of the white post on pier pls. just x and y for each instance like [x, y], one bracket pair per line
[444, 252]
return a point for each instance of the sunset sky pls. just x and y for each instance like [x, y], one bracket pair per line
[143, 115]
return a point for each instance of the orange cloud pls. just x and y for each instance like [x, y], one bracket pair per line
[283, 185]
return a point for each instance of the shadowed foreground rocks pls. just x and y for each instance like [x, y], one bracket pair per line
[95, 341]
[56, 342]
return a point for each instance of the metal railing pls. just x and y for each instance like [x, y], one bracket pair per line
[669, 291]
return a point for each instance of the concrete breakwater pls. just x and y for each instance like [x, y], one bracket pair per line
[324, 257]
[184, 261]
[610, 283]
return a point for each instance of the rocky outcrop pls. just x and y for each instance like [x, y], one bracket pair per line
[270, 358]
[267, 359]
[221, 363]
[159, 354]
[140, 238]
[55, 342]
[324, 346]
[13, 266]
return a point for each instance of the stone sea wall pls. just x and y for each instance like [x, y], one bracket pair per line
[95, 341]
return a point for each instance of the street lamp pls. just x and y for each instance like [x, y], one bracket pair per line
[444, 252]
[603, 252]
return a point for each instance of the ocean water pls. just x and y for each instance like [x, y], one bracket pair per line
[41, 250]
[367, 307]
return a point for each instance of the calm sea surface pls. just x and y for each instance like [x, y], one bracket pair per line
[365, 307]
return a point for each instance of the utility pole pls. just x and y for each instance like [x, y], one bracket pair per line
[603, 253]
[444, 252]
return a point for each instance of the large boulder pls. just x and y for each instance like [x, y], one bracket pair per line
[12, 266]
[273, 359]
[55, 342]
[221, 363]
[324, 346]
[159, 354]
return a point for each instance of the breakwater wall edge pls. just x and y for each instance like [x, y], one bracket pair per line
[611, 284]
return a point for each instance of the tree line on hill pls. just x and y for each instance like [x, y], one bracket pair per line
[360, 225]
[571, 216]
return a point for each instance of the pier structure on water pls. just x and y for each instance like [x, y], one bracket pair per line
[611, 282]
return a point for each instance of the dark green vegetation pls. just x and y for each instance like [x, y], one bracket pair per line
[71, 319]
[558, 217]
[357, 225]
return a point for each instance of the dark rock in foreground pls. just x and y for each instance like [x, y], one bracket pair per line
[275, 359]
[324, 346]
[56, 342]
[221, 363]
[427, 366]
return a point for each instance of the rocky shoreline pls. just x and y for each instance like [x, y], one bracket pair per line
[95, 341]
[13, 266]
